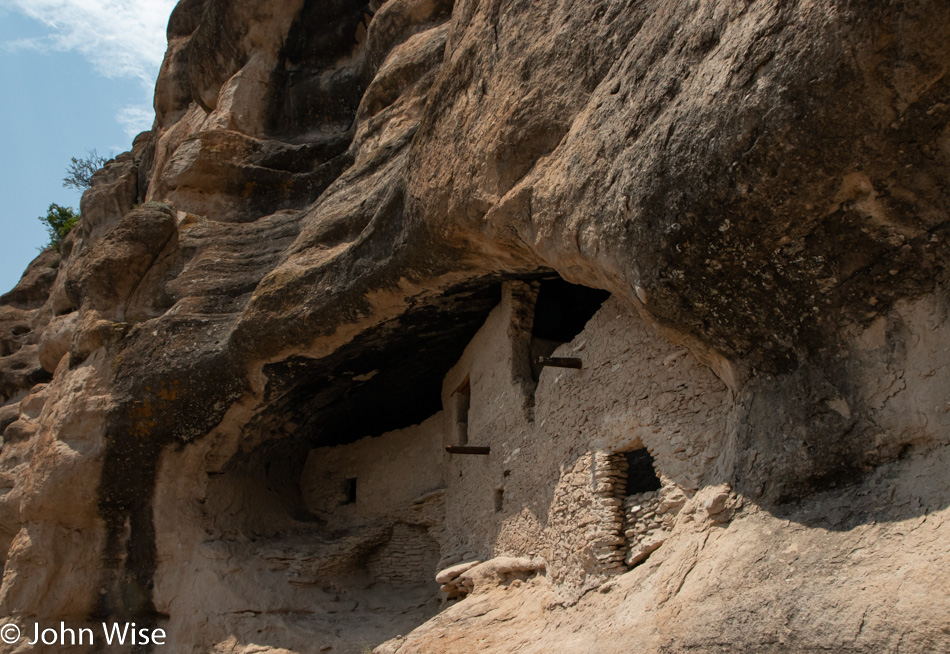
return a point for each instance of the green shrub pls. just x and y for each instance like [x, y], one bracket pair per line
[58, 222]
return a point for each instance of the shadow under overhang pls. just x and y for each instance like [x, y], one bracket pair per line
[387, 378]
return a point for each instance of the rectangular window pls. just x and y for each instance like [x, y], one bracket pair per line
[463, 403]
[349, 491]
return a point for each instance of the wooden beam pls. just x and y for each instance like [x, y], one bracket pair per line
[560, 362]
[467, 449]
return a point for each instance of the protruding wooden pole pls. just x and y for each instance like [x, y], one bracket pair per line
[560, 362]
[467, 449]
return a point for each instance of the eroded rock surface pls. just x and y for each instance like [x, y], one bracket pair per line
[227, 398]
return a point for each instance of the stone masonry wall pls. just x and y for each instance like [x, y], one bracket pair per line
[553, 485]
[550, 466]
[609, 477]
[397, 482]
[408, 558]
[391, 471]
[649, 517]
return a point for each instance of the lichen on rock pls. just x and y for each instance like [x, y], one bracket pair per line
[350, 235]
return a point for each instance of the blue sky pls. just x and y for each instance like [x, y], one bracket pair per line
[76, 75]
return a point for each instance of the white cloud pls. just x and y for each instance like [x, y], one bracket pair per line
[135, 118]
[23, 44]
[121, 38]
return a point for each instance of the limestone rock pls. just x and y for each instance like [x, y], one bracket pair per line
[104, 278]
[54, 344]
[501, 570]
[352, 230]
[450, 573]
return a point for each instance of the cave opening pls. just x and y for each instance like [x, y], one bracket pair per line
[561, 312]
[396, 368]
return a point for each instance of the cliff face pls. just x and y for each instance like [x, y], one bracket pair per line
[348, 221]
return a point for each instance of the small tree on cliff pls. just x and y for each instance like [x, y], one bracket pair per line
[80, 171]
[58, 222]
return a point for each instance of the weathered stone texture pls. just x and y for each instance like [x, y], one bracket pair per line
[327, 261]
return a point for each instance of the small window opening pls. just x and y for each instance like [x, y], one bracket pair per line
[349, 491]
[641, 474]
[463, 402]
[560, 314]
[499, 500]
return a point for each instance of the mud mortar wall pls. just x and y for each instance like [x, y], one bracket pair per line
[394, 480]
[333, 188]
[391, 471]
[635, 389]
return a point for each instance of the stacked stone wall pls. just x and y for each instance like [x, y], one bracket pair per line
[559, 469]
[409, 558]
[649, 518]
[609, 480]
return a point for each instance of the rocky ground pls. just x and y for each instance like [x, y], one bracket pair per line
[329, 184]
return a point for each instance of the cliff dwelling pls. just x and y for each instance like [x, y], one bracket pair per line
[567, 480]
[421, 326]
